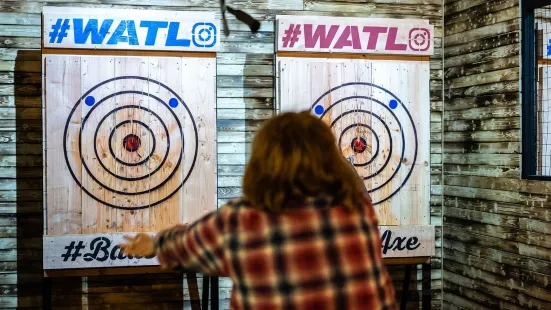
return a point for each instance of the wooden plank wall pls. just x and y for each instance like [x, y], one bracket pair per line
[245, 100]
[497, 237]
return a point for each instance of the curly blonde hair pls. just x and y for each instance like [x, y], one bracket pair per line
[295, 156]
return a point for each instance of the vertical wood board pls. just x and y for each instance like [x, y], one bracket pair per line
[495, 250]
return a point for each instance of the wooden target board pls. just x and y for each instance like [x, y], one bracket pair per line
[376, 118]
[379, 111]
[130, 146]
[130, 143]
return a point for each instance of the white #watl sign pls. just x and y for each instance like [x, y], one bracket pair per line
[86, 28]
[355, 35]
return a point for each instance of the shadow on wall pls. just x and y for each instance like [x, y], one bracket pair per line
[27, 195]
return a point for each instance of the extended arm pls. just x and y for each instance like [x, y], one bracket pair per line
[198, 247]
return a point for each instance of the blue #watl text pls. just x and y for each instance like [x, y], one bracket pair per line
[111, 32]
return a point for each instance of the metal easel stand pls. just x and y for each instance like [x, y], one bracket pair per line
[209, 284]
[409, 263]
[426, 286]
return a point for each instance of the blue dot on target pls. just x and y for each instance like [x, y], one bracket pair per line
[319, 109]
[90, 100]
[393, 104]
[173, 102]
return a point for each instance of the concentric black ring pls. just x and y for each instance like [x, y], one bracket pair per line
[387, 130]
[373, 154]
[113, 173]
[111, 143]
[124, 178]
[120, 177]
[406, 178]
[82, 98]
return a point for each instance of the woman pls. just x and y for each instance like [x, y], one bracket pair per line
[303, 236]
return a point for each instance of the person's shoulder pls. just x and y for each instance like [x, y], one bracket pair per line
[236, 202]
[368, 210]
[233, 205]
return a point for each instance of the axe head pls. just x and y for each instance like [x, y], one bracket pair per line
[243, 17]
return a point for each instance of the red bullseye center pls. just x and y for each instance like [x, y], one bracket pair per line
[359, 145]
[131, 142]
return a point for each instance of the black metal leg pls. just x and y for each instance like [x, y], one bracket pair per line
[214, 294]
[426, 287]
[193, 291]
[205, 300]
[47, 294]
[405, 288]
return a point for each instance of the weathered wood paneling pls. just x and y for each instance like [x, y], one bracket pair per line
[496, 226]
[245, 99]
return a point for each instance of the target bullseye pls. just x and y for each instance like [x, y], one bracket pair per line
[359, 145]
[374, 140]
[130, 143]
[114, 144]
[373, 128]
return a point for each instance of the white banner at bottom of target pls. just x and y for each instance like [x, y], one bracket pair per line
[102, 251]
[89, 251]
[407, 241]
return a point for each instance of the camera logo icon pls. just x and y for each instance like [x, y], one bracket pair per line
[419, 39]
[204, 35]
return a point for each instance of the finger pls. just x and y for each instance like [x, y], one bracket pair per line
[127, 250]
[130, 239]
[139, 238]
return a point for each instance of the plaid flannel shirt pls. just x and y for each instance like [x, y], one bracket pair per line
[316, 256]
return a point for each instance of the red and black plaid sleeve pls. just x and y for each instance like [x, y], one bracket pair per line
[317, 256]
[198, 247]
